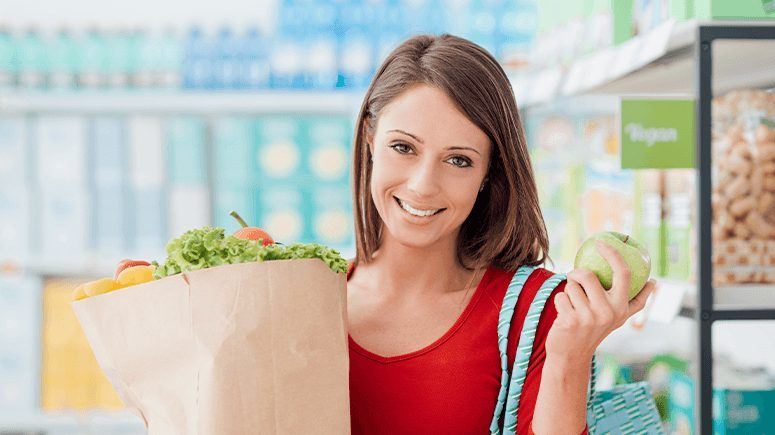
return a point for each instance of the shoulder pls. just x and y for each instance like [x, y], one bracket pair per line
[502, 278]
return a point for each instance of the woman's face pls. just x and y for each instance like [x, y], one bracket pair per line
[427, 156]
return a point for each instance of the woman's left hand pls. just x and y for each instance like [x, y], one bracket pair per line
[587, 313]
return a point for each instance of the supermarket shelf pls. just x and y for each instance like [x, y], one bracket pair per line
[736, 302]
[54, 423]
[85, 267]
[657, 63]
[745, 297]
[196, 102]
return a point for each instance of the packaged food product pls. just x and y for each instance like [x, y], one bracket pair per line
[743, 196]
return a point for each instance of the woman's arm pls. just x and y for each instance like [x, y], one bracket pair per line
[561, 406]
[586, 314]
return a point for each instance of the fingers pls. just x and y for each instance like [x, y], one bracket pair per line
[578, 298]
[564, 308]
[588, 280]
[605, 307]
[598, 296]
[622, 278]
[639, 301]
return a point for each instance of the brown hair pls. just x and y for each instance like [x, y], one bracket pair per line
[505, 227]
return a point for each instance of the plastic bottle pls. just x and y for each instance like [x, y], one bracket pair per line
[198, 61]
[7, 60]
[134, 40]
[356, 51]
[63, 58]
[33, 65]
[149, 58]
[94, 66]
[225, 59]
[171, 62]
[254, 60]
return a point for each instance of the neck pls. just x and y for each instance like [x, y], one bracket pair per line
[403, 270]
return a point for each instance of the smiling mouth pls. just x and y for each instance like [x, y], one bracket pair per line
[412, 212]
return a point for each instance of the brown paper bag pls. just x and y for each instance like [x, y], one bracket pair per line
[253, 348]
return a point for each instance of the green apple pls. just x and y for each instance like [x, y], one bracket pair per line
[633, 253]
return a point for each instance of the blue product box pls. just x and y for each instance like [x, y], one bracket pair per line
[14, 221]
[108, 151]
[279, 151]
[149, 230]
[283, 211]
[189, 208]
[13, 151]
[232, 138]
[65, 222]
[110, 219]
[735, 412]
[109, 161]
[329, 150]
[146, 152]
[332, 217]
[20, 338]
[61, 151]
[186, 151]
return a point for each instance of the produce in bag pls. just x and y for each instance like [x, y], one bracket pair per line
[227, 336]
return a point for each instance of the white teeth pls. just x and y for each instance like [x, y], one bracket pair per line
[415, 211]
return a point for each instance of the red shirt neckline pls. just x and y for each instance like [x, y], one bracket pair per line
[447, 335]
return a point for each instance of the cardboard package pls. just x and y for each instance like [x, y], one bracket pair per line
[251, 348]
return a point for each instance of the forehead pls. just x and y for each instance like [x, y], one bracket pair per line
[430, 114]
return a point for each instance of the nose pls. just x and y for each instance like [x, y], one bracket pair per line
[423, 180]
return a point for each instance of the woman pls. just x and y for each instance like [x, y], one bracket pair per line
[446, 210]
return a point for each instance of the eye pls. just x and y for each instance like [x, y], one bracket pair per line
[465, 162]
[458, 161]
[399, 147]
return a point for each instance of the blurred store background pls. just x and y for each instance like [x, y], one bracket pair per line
[123, 125]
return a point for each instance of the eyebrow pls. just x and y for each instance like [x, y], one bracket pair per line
[421, 141]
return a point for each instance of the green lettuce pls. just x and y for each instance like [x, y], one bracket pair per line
[209, 247]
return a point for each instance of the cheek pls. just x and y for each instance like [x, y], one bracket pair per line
[386, 173]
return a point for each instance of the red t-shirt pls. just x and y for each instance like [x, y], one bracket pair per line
[451, 386]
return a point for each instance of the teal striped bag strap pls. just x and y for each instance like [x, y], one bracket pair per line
[504, 324]
[511, 390]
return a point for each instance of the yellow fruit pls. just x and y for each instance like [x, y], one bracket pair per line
[78, 293]
[135, 275]
[100, 286]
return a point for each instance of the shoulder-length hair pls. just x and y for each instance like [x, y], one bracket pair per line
[505, 227]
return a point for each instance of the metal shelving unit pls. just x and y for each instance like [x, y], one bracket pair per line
[693, 58]
[709, 307]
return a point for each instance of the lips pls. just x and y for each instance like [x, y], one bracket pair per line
[398, 202]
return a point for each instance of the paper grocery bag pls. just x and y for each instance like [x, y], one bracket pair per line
[253, 348]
